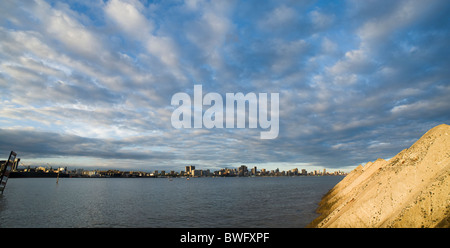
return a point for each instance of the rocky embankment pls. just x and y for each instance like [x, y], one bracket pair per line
[411, 189]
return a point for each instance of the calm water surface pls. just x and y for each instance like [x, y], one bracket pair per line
[158, 202]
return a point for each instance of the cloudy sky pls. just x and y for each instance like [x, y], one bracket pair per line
[89, 83]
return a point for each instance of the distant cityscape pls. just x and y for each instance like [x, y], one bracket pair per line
[190, 171]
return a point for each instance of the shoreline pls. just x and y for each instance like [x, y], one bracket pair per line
[18, 174]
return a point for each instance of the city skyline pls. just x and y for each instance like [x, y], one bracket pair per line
[89, 83]
[189, 171]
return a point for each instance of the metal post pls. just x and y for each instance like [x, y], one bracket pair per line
[6, 169]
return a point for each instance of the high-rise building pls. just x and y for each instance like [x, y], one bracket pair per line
[16, 164]
[189, 169]
[254, 171]
[243, 171]
[304, 172]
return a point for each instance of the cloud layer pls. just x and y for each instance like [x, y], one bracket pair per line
[94, 79]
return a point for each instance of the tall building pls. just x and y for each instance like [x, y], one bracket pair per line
[304, 172]
[189, 169]
[16, 164]
[254, 171]
[243, 171]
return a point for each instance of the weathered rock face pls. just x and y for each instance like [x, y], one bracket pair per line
[412, 189]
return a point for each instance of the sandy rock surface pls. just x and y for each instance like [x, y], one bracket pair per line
[412, 189]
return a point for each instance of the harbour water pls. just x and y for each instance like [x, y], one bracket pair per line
[274, 202]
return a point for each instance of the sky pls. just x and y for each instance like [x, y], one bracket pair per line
[88, 84]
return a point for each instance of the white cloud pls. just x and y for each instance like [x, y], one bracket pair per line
[164, 49]
[207, 33]
[355, 61]
[338, 146]
[16, 43]
[287, 54]
[378, 144]
[278, 17]
[192, 4]
[130, 18]
[319, 20]
[329, 47]
[127, 15]
[378, 28]
[64, 26]
[210, 30]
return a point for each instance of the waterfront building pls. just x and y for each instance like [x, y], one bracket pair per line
[254, 171]
[304, 172]
[189, 169]
[196, 173]
[243, 171]
[206, 173]
[263, 172]
[90, 173]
